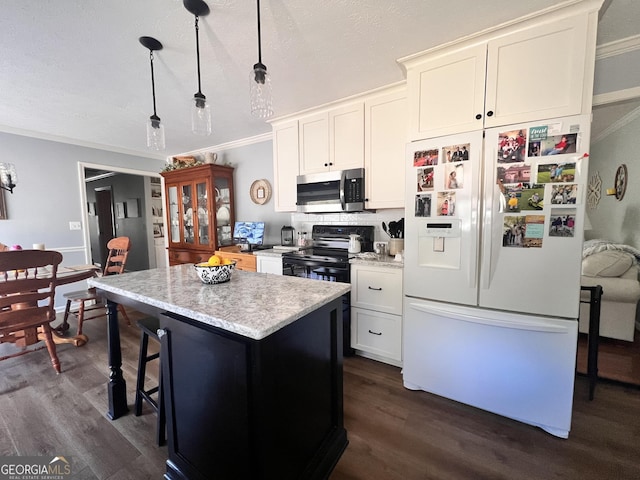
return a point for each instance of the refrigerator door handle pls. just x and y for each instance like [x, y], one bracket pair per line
[530, 324]
[492, 234]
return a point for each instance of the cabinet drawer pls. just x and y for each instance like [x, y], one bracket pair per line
[245, 261]
[377, 288]
[178, 257]
[376, 332]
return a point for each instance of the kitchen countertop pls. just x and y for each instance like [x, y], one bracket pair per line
[253, 305]
[268, 253]
[372, 260]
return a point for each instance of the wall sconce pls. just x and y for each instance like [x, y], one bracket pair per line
[620, 183]
[8, 176]
[200, 110]
[155, 130]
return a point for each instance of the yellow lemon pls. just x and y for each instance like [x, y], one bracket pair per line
[214, 260]
[226, 261]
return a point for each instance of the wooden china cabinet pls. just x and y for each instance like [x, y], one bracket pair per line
[200, 211]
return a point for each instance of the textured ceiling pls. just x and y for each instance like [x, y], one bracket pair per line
[73, 70]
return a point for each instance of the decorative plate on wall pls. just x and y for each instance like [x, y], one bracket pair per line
[621, 181]
[260, 191]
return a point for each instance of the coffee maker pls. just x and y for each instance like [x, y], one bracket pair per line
[286, 235]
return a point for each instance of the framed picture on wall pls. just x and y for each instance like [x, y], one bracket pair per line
[131, 208]
[119, 209]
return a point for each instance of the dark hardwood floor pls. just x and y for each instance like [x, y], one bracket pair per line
[394, 433]
[618, 360]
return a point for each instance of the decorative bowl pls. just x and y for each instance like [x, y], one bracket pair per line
[214, 274]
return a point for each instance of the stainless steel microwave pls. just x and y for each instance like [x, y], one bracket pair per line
[336, 191]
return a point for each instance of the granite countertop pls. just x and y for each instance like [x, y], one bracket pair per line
[253, 305]
[270, 252]
[372, 259]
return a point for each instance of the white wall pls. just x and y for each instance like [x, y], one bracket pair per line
[48, 194]
[614, 220]
[255, 162]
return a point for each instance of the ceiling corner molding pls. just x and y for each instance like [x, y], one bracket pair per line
[618, 47]
[616, 96]
[617, 125]
[263, 137]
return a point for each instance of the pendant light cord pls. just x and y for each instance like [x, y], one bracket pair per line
[153, 83]
[259, 41]
[198, 55]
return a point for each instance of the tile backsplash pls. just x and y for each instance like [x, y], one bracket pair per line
[303, 222]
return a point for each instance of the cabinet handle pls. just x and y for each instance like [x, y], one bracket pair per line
[478, 117]
[330, 163]
[490, 113]
[326, 164]
[376, 289]
[161, 332]
[375, 333]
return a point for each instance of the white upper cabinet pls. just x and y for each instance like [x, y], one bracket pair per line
[332, 140]
[385, 127]
[537, 73]
[314, 143]
[346, 137]
[539, 68]
[447, 93]
[285, 165]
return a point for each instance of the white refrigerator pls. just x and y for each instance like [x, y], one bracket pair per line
[493, 247]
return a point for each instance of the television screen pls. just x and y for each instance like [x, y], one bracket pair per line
[249, 232]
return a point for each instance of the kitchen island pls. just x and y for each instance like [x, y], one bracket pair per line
[252, 372]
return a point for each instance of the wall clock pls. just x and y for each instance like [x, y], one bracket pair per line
[260, 191]
[594, 191]
[621, 181]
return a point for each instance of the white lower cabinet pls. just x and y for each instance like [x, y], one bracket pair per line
[376, 312]
[267, 264]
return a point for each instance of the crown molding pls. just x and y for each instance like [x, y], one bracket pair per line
[263, 137]
[618, 47]
[617, 125]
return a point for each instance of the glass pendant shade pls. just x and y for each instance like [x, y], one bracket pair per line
[8, 176]
[260, 92]
[200, 115]
[155, 133]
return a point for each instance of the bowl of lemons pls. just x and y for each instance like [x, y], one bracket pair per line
[215, 270]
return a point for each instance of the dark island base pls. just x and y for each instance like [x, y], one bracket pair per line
[244, 409]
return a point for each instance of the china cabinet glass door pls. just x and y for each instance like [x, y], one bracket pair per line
[224, 231]
[203, 214]
[174, 215]
[187, 208]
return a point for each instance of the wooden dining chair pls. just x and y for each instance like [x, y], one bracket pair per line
[88, 300]
[27, 292]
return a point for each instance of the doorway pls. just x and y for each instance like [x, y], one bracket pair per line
[106, 231]
[119, 202]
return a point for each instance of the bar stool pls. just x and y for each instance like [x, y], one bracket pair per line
[148, 328]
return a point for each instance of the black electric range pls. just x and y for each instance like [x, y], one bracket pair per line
[328, 259]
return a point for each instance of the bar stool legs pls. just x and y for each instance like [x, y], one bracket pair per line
[148, 327]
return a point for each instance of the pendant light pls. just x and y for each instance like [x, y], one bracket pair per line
[260, 84]
[155, 129]
[200, 110]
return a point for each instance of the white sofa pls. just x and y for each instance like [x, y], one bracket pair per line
[617, 272]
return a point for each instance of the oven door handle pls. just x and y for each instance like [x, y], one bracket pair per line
[343, 180]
